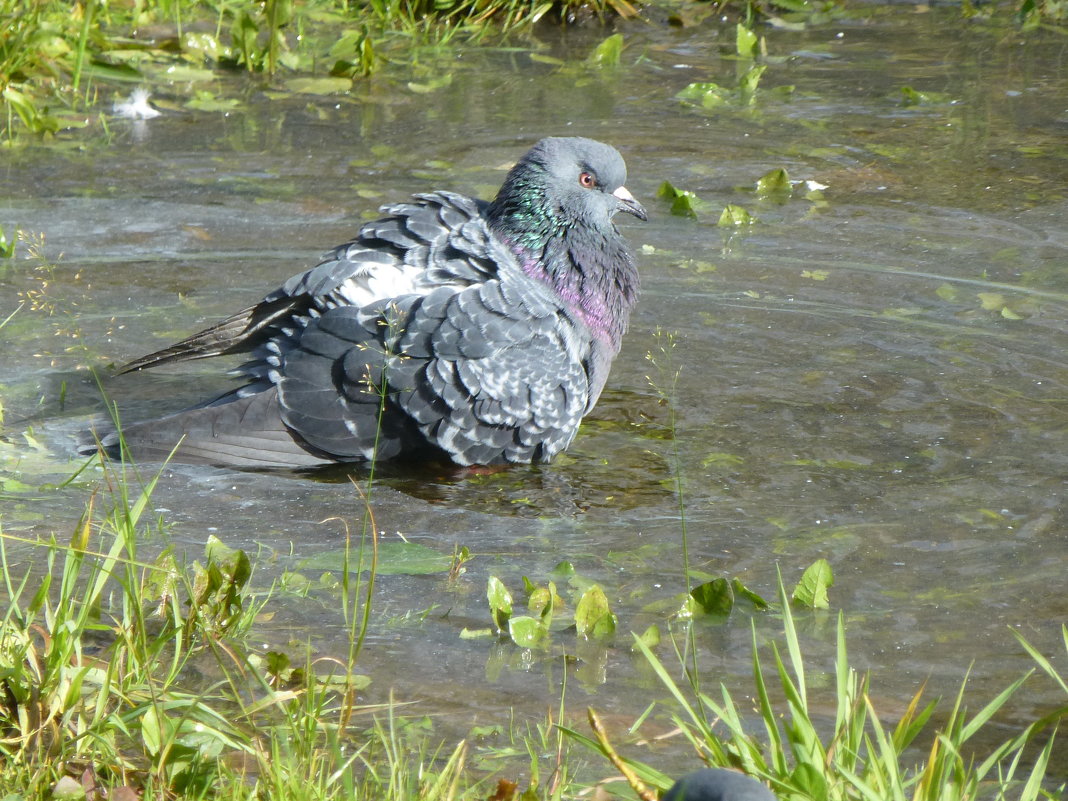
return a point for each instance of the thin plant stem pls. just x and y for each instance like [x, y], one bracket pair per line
[666, 386]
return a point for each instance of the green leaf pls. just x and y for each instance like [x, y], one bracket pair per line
[564, 571]
[809, 779]
[811, 590]
[650, 638]
[774, 183]
[543, 59]
[992, 301]
[684, 203]
[747, 84]
[714, 597]
[745, 41]
[112, 72]
[216, 550]
[68, 789]
[207, 101]
[912, 97]
[544, 601]
[720, 458]
[527, 632]
[276, 662]
[947, 292]
[741, 591]
[178, 73]
[706, 95]
[593, 618]
[243, 34]
[734, 216]
[608, 52]
[432, 85]
[152, 731]
[319, 86]
[500, 603]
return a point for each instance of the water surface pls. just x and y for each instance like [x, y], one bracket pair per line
[875, 376]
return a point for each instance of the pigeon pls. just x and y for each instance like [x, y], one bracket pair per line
[451, 329]
[715, 784]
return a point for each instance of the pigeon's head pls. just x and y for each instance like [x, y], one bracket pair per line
[562, 182]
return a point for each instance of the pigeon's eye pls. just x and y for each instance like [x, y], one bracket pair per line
[587, 180]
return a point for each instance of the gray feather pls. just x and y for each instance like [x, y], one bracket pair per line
[482, 332]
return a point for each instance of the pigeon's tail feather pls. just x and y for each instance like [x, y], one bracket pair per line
[209, 342]
[239, 332]
[247, 432]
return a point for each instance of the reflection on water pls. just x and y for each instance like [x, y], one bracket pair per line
[875, 376]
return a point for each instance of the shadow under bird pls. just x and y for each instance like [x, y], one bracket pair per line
[716, 784]
[479, 332]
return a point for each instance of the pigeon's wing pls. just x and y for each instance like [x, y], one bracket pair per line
[488, 373]
[416, 247]
[246, 432]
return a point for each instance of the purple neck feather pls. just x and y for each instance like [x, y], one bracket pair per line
[603, 306]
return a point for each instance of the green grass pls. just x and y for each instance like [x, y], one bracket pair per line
[56, 62]
[132, 672]
[97, 646]
[858, 756]
[59, 59]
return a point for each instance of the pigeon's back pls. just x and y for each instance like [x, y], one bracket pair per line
[421, 336]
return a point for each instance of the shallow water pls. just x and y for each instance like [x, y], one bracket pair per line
[875, 377]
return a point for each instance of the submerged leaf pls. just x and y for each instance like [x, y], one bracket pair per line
[912, 97]
[593, 618]
[774, 183]
[608, 52]
[207, 101]
[543, 59]
[527, 632]
[704, 94]
[564, 571]
[991, 301]
[431, 85]
[714, 597]
[178, 73]
[650, 638]
[747, 84]
[995, 301]
[721, 458]
[735, 215]
[394, 558]
[741, 591]
[319, 86]
[947, 292]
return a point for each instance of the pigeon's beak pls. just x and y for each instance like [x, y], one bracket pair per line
[628, 204]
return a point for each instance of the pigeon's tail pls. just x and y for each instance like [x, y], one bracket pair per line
[246, 432]
[211, 342]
